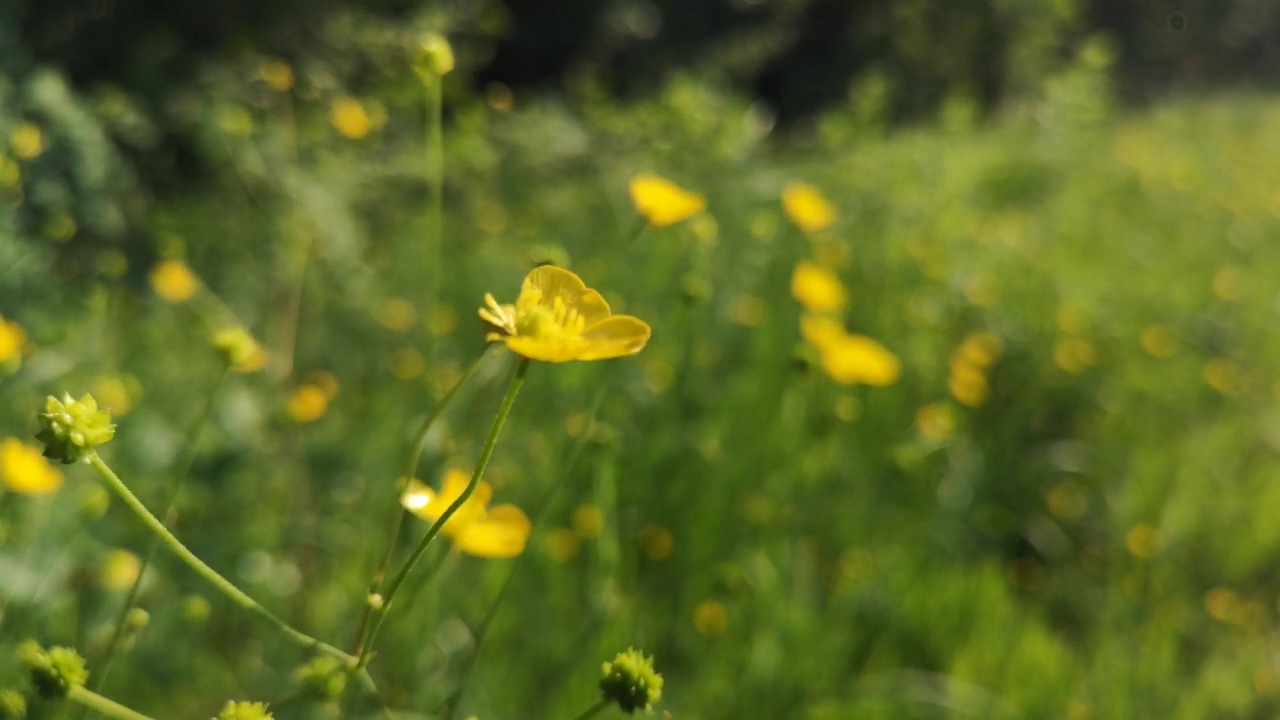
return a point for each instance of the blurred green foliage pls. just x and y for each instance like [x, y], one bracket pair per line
[1093, 540]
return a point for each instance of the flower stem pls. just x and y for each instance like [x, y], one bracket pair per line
[415, 455]
[481, 464]
[435, 188]
[233, 593]
[102, 705]
[599, 705]
[192, 446]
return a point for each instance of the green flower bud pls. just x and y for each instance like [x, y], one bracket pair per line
[244, 711]
[54, 671]
[136, 619]
[70, 429]
[433, 57]
[324, 678]
[12, 705]
[631, 681]
[238, 348]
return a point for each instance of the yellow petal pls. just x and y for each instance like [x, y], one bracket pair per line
[561, 349]
[807, 208]
[821, 332]
[860, 359]
[501, 534]
[662, 202]
[817, 289]
[545, 283]
[618, 336]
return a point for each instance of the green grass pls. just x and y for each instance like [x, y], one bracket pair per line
[865, 571]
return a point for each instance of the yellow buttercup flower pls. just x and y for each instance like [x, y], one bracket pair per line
[849, 358]
[350, 118]
[662, 202]
[24, 470]
[558, 318]
[807, 208]
[174, 281]
[12, 340]
[817, 289]
[859, 359]
[475, 529]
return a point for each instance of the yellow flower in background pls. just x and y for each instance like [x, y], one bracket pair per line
[1159, 341]
[856, 359]
[277, 74]
[710, 618]
[350, 118]
[936, 422]
[588, 522]
[817, 289]
[662, 202]
[27, 141]
[116, 392]
[656, 542]
[174, 281]
[558, 318]
[307, 403]
[24, 469]
[238, 348]
[807, 208]
[475, 529]
[1075, 355]
[120, 570]
[821, 331]
[980, 349]
[12, 340]
[848, 358]
[969, 387]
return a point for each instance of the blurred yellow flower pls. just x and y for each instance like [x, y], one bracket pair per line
[350, 118]
[1075, 355]
[174, 281]
[307, 403]
[240, 351]
[656, 542]
[710, 618]
[807, 208]
[24, 469]
[588, 521]
[817, 289]
[936, 422]
[1142, 541]
[397, 314]
[27, 141]
[475, 529]
[1066, 501]
[277, 74]
[557, 318]
[1221, 603]
[407, 363]
[1159, 341]
[968, 386]
[979, 349]
[747, 310]
[120, 570]
[849, 358]
[662, 202]
[855, 359]
[562, 545]
[115, 392]
[13, 339]
[1221, 374]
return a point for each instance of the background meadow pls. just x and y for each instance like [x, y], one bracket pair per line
[1061, 503]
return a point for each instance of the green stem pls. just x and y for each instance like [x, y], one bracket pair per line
[190, 460]
[435, 188]
[233, 593]
[600, 704]
[415, 455]
[102, 705]
[481, 464]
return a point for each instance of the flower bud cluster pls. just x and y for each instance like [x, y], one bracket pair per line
[631, 681]
[54, 671]
[70, 428]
